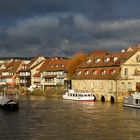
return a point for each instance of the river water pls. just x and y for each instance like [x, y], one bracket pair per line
[41, 118]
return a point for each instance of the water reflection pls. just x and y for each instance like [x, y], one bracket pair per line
[41, 118]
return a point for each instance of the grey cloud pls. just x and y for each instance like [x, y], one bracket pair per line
[95, 9]
[65, 34]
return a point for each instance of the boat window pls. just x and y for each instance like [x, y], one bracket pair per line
[136, 101]
[85, 95]
[73, 95]
[88, 95]
[70, 94]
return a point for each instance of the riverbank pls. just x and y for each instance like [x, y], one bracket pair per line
[37, 91]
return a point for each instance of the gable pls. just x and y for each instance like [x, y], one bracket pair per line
[129, 49]
[134, 59]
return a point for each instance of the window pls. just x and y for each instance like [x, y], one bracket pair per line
[92, 85]
[103, 72]
[136, 101]
[122, 85]
[111, 85]
[112, 72]
[129, 86]
[79, 72]
[138, 58]
[115, 58]
[88, 61]
[107, 59]
[101, 86]
[126, 72]
[97, 60]
[86, 72]
[94, 72]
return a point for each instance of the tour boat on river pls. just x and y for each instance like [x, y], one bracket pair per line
[79, 96]
[133, 100]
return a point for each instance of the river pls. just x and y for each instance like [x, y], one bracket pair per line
[41, 118]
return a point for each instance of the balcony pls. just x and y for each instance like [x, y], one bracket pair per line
[48, 83]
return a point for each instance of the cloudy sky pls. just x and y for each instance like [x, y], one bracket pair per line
[64, 27]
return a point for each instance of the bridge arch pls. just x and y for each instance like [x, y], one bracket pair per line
[102, 98]
[112, 99]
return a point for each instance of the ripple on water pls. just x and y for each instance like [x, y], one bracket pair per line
[56, 119]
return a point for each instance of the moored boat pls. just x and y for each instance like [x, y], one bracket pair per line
[79, 96]
[8, 104]
[132, 101]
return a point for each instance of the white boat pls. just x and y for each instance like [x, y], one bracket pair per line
[79, 96]
[133, 100]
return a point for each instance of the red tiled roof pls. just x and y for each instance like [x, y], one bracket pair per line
[55, 64]
[98, 53]
[121, 57]
[44, 65]
[13, 66]
[37, 74]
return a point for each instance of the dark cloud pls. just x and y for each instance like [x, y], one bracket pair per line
[64, 27]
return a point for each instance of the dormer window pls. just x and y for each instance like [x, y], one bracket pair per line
[56, 65]
[97, 60]
[9, 68]
[103, 72]
[107, 59]
[88, 61]
[94, 72]
[112, 72]
[24, 67]
[79, 72]
[62, 65]
[138, 58]
[115, 58]
[51, 66]
[86, 72]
